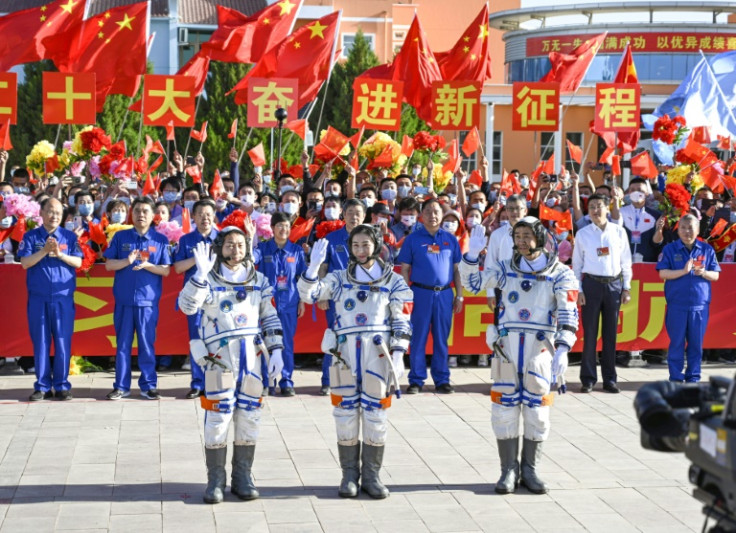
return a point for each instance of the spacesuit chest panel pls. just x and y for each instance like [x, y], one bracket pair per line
[362, 308]
[527, 302]
[233, 309]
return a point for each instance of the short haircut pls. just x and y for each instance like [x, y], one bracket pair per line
[143, 200]
[294, 192]
[354, 202]
[174, 182]
[637, 180]
[201, 204]
[604, 186]
[428, 202]
[112, 204]
[279, 217]
[334, 199]
[82, 194]
[409, 203]
[690, 218]
[600, 197]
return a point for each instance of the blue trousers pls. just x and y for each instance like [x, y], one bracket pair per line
[49, 321]
[197, 371]
[130, 320]
[685, 325]
[327, 358]
[288, 324]
[432, 311]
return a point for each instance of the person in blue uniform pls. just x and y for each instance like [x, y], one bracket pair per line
[140, 259]
[687, 266]
[203, 212]
[51, 254]
[282, 262]
[337, 259]
[429, 260]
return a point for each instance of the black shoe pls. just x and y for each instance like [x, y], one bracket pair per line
[288, 391]
[413, 389]
[194, 393]
[150, 394]
[64, 395]
[586, 389]
[445, 388]
[117, 394]
[611, 387]
[39, 395]
[325, 390]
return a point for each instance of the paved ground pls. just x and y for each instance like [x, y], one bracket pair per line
[136, 465]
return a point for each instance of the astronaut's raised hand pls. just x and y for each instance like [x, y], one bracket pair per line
[397, 357]
[316, 257]
[477, 242]
[203, 261]
[275, 365]
[559, 361]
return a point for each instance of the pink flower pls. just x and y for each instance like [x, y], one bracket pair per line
[21, 205]
[171, 230]
[77, 168]
[263, 227]
[94, 167]
[67, 146]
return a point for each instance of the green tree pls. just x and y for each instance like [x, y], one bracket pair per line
[30, 127]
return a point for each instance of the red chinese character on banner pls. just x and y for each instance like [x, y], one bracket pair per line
[377, 103]
[69, 98]
[617, 107]
[8, 97]
[535, 106]
[168, 99]
[456, 104]
[266, 95]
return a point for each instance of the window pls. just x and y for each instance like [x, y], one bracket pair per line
[469, 163]
[497, 149]
[575, 138]
[547, 145]
[349, 38]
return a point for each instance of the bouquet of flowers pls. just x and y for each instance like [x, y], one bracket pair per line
[89, 256]
[171, 230]
[90, 141]
[43, 159]
[687, 176]
[669, 131]
[440, 178]
[21, 205]
[426, 142]
[263, 227]
[328, 226]
[378, 144]
[676, 202]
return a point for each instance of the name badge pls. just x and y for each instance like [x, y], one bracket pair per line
[282, 283]
[636, 237]
[268, 259]
[126, 247]
[151, 249]
[433, 249]
[602, 252]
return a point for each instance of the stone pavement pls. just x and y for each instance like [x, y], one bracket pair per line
[136, 465]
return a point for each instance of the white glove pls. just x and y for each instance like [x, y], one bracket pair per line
[398, 359]
[203, 261]
[559, 362]
[275, 365]
[317, 257]
[477, 242]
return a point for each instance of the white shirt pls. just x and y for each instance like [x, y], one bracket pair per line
[234, 276]
[500, 248]
[603, 252]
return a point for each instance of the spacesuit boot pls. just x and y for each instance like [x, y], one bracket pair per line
[508, 452]
[216, 475]
[531, 453]
[242, 483]
[372, 461]
[350, 464]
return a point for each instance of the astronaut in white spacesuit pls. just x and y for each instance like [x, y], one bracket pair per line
[239, 326]
[537, 326]
[372, 332]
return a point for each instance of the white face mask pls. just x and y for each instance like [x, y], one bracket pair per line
[472, 222]
[332, 213]
[257, 170]
[408, 220]
[416, 171]
[286, 188]
[270, 207]
[368, 201]
[248, 199]
[524, 182]
[449, 226]
[221, 204]
[290, 209]
[479, 207]
[551, 202]
[637, 197]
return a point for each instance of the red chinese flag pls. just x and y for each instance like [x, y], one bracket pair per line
[5, 135]
[564, 223]
[242, 39]
[158, 148]
[170, 131]
[454, 159]
[626, 69]
[384, 160]
[416, 66]
[701, 134]
[334, 140]
[24, 31]
[197, 68]
[257, 155]
[506, 185]
[718, 227]
[233, 129]
[471, 142]
[149, 188]
[407, 146]
[156, 163]
[306, 54]
[217, 188]
[200, 135]
[642, 165]
[607, 156]
[302, 228]
[547, 213]
[355, 139]
[476, 178]
[576, 153]
[569, 69]
[19, 229]
[296, 170]
[186, 220]
[195, 173]
[9, 96]
[112, 44]
[616, 165]
[470, 58]
[168, 99]
[724, 142]
[69, 98]
[695, 152]
[549, 165]
[298, 127]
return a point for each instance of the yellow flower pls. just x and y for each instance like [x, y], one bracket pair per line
[112, 229]
[42, 151]
[344, 151]
[77, 142]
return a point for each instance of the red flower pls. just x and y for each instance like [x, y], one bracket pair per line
[678, 197]
[89, 257]
[668, 130]
[117, 150]
[95, 140]
[105, 162]
[236, 218]
[327, 227]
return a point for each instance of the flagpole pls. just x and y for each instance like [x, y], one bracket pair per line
[245, 144]
[718, 86]
[58, 134]
[189, 140]
[125, 117]
[329, 73]
[587, 151]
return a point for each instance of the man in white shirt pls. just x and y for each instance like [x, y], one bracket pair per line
[602, 264]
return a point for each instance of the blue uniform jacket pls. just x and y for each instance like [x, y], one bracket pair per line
[282, 267]
[51, 277]
[432, 259]
[688, 291]
[337, 251]
[138, 287]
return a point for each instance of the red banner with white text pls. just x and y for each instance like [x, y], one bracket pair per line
[641, 322]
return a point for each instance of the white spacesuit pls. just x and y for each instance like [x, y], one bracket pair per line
[239, 326]
[371, 334]
[537, 325]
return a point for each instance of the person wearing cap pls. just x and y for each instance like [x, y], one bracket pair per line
[204, 217]
[381, 219]
[429, 260]
[282, 263]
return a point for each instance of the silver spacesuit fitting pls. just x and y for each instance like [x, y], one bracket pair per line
[537, 325]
